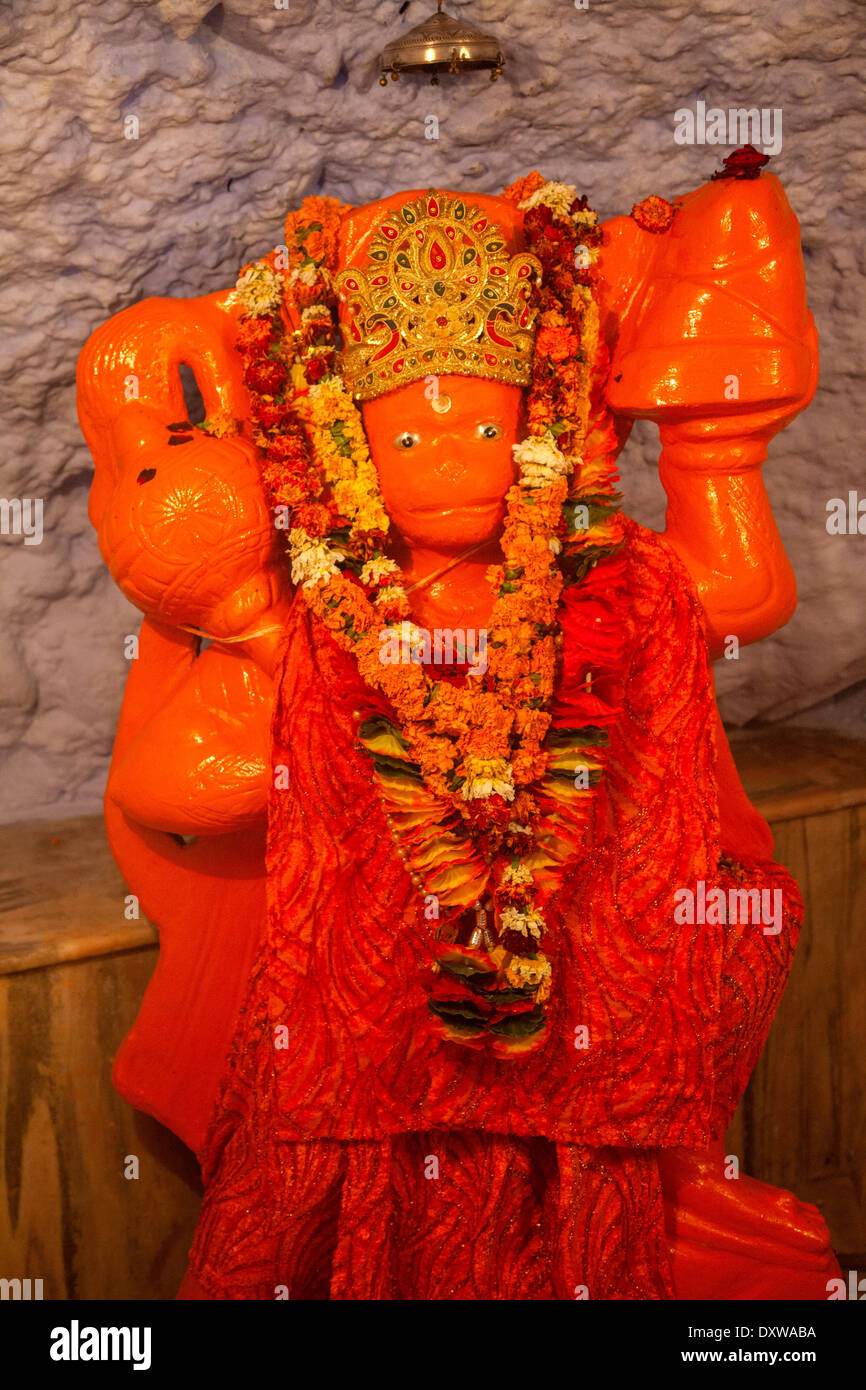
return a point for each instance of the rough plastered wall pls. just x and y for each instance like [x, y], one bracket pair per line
[246, 106]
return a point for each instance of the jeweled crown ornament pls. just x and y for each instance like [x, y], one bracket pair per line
[441, 44]
[440, 295]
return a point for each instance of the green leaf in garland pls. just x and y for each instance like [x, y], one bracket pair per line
[462, 968]
[595, 512]
[519, 1025]
[573, 738]
[458, 1023]
[398, 768]
[377, 725]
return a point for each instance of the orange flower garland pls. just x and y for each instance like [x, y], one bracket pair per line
[474, 759]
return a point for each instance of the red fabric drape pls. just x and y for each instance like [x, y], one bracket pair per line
[338, 1093]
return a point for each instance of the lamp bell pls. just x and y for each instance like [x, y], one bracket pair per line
[441, 44]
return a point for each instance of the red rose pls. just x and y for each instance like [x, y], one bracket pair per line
[539, 216]
[745, 163]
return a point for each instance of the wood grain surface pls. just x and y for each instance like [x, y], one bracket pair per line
[61, 896]
[802, 1122]
[68, 1213]
[789, 773]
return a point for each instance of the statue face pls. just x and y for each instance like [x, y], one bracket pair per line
[445, 464]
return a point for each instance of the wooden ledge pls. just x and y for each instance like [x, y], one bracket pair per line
[61, 895]
[788, 773]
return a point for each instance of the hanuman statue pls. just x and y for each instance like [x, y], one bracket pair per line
[467, 947]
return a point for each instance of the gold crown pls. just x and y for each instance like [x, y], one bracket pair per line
[440, 295]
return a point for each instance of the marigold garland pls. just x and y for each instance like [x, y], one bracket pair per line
[469, 773]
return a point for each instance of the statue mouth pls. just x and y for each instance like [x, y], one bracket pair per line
[461, 509]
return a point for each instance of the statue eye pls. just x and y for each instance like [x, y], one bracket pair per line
[407, 440]
[489, 431]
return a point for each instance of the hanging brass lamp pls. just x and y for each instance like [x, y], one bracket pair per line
[441, 44]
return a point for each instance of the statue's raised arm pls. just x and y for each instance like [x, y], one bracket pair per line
[712, 339]
[185, 531]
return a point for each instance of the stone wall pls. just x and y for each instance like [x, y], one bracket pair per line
[243, 108]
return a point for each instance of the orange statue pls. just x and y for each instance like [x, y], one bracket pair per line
[443, 1003]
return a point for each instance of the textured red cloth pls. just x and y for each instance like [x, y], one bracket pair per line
[339, 1101]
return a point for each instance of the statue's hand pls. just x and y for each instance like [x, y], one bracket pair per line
[193, 750]
[712, 318]
[713, 340]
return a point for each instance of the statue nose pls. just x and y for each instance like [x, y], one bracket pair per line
[449, 467]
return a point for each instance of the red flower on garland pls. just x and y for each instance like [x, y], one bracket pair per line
[288, 449]
[255, 335]
[315, 369]
[555, 235]
[265, 376]
[654, 214]
[745, 163]
[539, 216]
[271, 414]
[557, 344]
[314, 518]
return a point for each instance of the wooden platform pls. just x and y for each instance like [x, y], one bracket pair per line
[802, 1122]
[61, 897]
[73, 968]
[790, 773]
